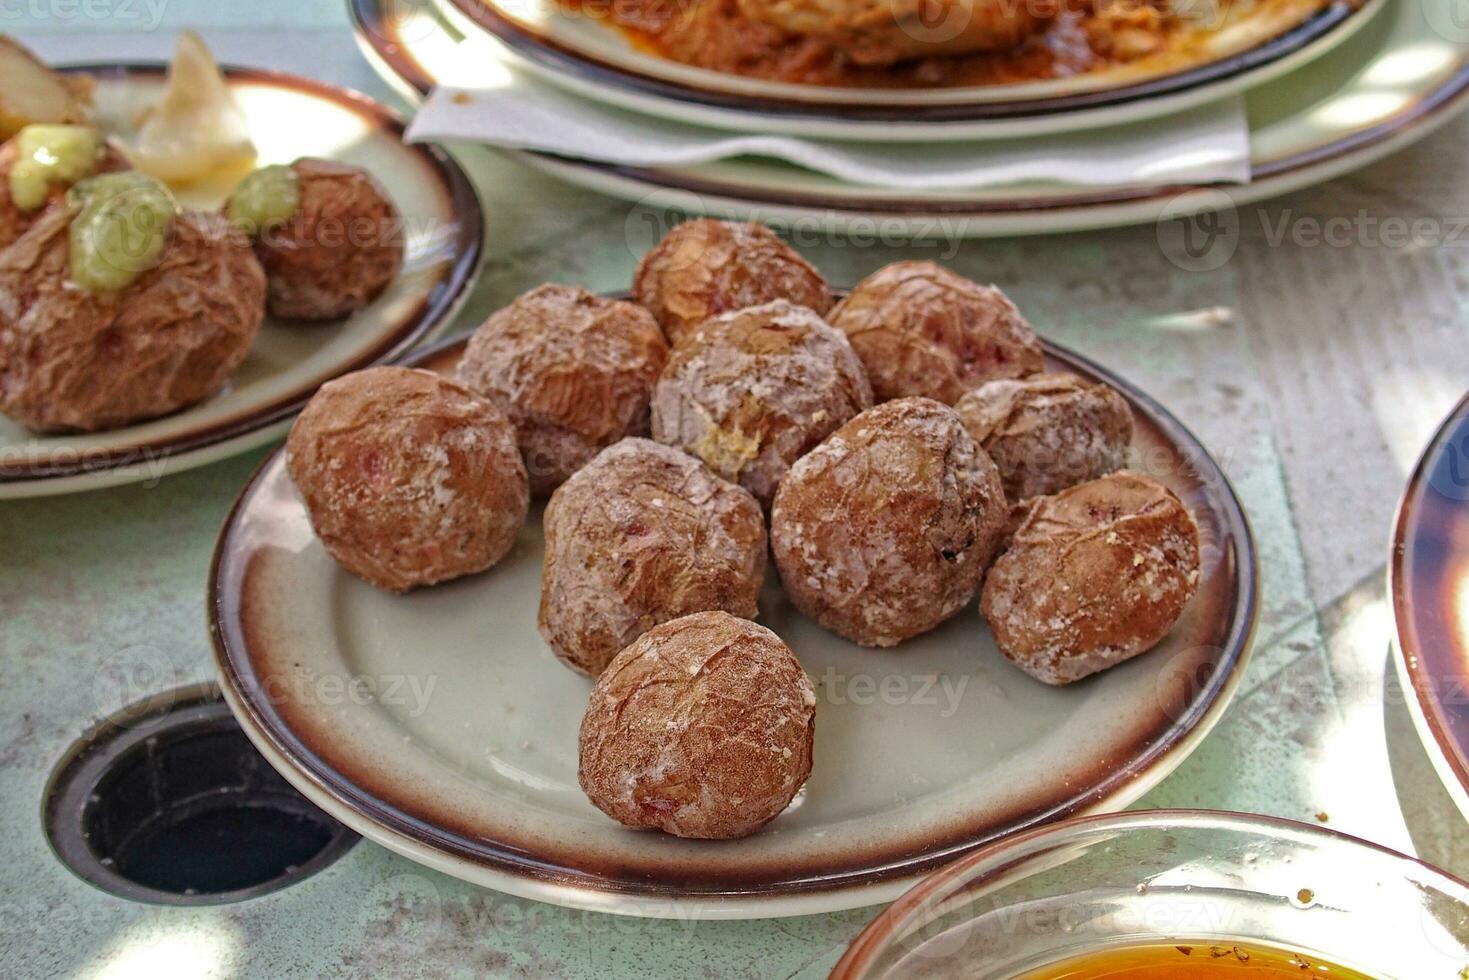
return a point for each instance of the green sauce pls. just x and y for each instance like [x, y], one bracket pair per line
[266, 199]
[119, 229]
[52, 156]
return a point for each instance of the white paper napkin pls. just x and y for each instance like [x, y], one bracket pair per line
[1206, 145]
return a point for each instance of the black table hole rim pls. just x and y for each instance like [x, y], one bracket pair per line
[166, 802]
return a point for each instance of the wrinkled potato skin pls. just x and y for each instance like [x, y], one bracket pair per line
[1094, 575]
[77, 361]
[1049, 431]
[701, 728]
[574, 372]
[13, 221]
[922, 330]
[705, 267]
[884, 530]
[409, 478]
[753, 391]
[340, 251]
[641, 535]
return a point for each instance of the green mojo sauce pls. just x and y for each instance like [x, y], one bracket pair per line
[119, 229]
[266, 199]
[51, 156]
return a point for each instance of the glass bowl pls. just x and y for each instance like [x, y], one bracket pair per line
[1084, 885]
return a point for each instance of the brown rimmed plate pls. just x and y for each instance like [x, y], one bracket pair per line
[1240, 46]
[1428, 580]
[1395, 81]
[439, 724]
[289, 117]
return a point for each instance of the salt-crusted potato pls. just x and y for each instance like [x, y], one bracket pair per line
[1094, 575]
[340, 248]
[884, 530]
[702, 728]
[641, 535]
[705, 267]
[73, 359]
[573, 371]
[753, 391]
[410, 479]
[1048, 432]
[922, 330]
[30, 92]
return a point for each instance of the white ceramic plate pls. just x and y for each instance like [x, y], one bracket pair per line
[288, 117]
[440, 725]
[1405, 73]
[589, 57]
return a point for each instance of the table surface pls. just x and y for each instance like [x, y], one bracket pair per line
[1314, 372]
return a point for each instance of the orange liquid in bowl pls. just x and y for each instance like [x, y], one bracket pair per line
[1195, 961]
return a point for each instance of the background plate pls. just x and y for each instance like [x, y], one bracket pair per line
[440, 725]
[288, 117]
[1428, 580]
[1405, 73]
[868, 119]
[597, 59]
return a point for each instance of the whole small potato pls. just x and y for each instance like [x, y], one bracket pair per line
[1094, 575]
[705, 267]
[573, 371]
[922, 330]
[643, 534]
[337, 248]
[753, 391]
[703, 727]
[72, 359]
[409, 478]
[884, 530]
[1048, 432]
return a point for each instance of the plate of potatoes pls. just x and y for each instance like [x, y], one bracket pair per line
[733, 596]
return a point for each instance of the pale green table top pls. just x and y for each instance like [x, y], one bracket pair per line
[1314, 374]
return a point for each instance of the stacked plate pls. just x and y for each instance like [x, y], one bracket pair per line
[1329, 86]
